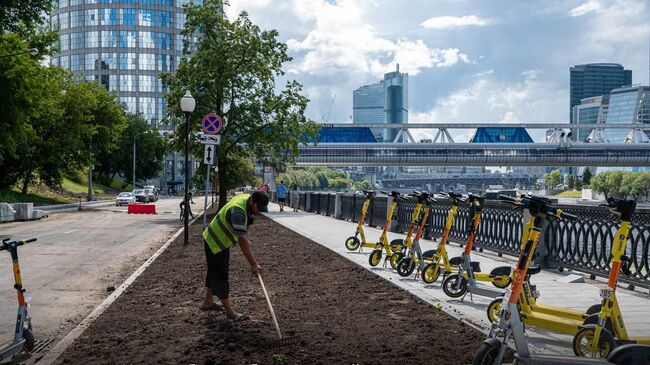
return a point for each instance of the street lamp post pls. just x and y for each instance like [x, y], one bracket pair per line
[134, 137]
[187, 107]
[31, 51]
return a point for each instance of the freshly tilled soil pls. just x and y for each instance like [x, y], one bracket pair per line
[341, 313]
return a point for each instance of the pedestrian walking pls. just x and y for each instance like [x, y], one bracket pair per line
[282, 195]
[229, 227]
[295, 197]
[265, 187]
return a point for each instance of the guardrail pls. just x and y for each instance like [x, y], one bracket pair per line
[583, 245]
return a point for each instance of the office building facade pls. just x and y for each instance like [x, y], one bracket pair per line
[590, 111]
[627, 105]
[382, 102]
[595, 79]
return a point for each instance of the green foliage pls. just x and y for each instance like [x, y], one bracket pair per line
[570, 182]
[622, 184]
[362, 185]
[316, 178]
[280, 357]
[19, 15]
[553, 179]
[233, 72]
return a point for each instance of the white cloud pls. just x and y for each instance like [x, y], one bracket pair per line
[445, 22]
[490, 100]
[586, 8]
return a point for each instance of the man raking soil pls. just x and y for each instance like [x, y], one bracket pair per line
[229, 227]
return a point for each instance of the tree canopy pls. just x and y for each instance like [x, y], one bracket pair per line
[232, 71]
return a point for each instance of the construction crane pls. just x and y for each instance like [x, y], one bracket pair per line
[329, 111]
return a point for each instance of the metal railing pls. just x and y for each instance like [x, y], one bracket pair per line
[583, 245]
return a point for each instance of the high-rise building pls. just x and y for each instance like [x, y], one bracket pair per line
[595, 79]
[382, 102]
[590, 111]
[122, 44]
[627, 105]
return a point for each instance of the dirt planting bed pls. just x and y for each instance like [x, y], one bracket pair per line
[342, 313]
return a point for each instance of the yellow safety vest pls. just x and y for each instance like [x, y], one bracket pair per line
[219, 235]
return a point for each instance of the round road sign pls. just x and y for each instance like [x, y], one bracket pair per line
[211, 124]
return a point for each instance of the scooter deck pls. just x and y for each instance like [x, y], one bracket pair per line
[550, 322]
[485, 291]
[571, 314]
[557, 360]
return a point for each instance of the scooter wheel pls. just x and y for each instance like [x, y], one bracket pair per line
[375, 257]
[494, 310]
[502, 283]
[593, 319]
[452, 287]
[405, 266]
[29, 344]
[594, 309]
[585, 335]
[352, 243]
[486, 354]
[395, 258]
[431, 273]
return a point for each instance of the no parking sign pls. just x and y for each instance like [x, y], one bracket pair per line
[211, 124]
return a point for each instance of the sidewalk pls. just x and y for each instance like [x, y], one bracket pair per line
[332, 234]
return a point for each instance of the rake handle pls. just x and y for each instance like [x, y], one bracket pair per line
[268, 301]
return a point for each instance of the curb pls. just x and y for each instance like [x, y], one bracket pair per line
[53, 354]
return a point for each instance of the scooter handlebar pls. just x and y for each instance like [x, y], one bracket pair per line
[5, 245]
[507, 198]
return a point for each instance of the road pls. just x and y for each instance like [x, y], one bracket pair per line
[77, 257]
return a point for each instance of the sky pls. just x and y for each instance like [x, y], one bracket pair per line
[502, 61]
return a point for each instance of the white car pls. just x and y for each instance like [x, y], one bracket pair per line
[125, 198]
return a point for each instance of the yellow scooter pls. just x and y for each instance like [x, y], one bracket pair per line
[375, 255]
[604, 331]
[431, 271]
[469, 272]
[413, 256]
[353, 243]
[407, 242]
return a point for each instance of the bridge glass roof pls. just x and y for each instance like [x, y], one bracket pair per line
[501, 135]
[346, 135]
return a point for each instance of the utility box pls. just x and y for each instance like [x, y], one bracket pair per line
[24, 211]
[6, 213]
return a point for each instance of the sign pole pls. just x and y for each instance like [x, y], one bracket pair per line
[205, 205]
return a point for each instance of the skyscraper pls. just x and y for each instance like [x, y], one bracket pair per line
[627, 105]
[590, 111]
[122, 44]
[595, 79]
[382, 102]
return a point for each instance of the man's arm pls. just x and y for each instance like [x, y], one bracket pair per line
[247, 250]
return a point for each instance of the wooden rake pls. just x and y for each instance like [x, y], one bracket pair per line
[281, 341]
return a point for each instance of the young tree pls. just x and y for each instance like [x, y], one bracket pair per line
[599, 184]
[553, 179]
[570, 182]
[233, 72]
[586, 177]
[362, 185]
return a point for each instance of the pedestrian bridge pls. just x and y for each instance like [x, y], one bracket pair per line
[473, 154]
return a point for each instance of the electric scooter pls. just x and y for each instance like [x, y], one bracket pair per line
[353, 243]
[23, 337]
[469, 272]
[375, 255]
[510, 325]
[604, 331]
[413, 256]
[431, 271]
[407, 242]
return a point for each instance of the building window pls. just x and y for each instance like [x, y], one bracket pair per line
[165, 62]
[163, 19]
[109, 17]
[148, 83]
[147, 61]
[128, 83]
[76, 62]
[146, 17]
[92, 61]
[92, 39]
[76, 2]
[147, 39]
[63, 3]
[109, 39]
[76, 19]
[128, 61]
[179, 43]
[109, 61]
[129, 102]
[180, 20]
[148, 108]
[63, 20]
[92, 17]
[64, 42]
[65, 62]
[128, 16]
[76, 40]
[127, 38]
[160, 108]
[164, 41]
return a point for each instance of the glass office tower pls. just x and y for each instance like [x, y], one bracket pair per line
[122, 44]
[628, 105]
[589, 111]
[595, 79]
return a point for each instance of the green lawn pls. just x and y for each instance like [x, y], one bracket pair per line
[72, 190]
[570, 194]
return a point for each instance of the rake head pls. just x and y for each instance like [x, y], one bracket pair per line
[285, 341]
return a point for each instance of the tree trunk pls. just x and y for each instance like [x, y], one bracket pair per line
[26, 180]
[90, 183]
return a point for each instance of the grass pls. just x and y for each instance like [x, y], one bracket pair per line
[42, 195]
[571, 194]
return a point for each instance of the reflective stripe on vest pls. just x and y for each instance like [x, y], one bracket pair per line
[219, 235]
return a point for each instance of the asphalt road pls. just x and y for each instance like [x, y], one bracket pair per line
[79, 255]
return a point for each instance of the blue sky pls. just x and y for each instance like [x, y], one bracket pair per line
[468, 60]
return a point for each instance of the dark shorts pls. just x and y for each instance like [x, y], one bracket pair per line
[217, 276]
[281, 200]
